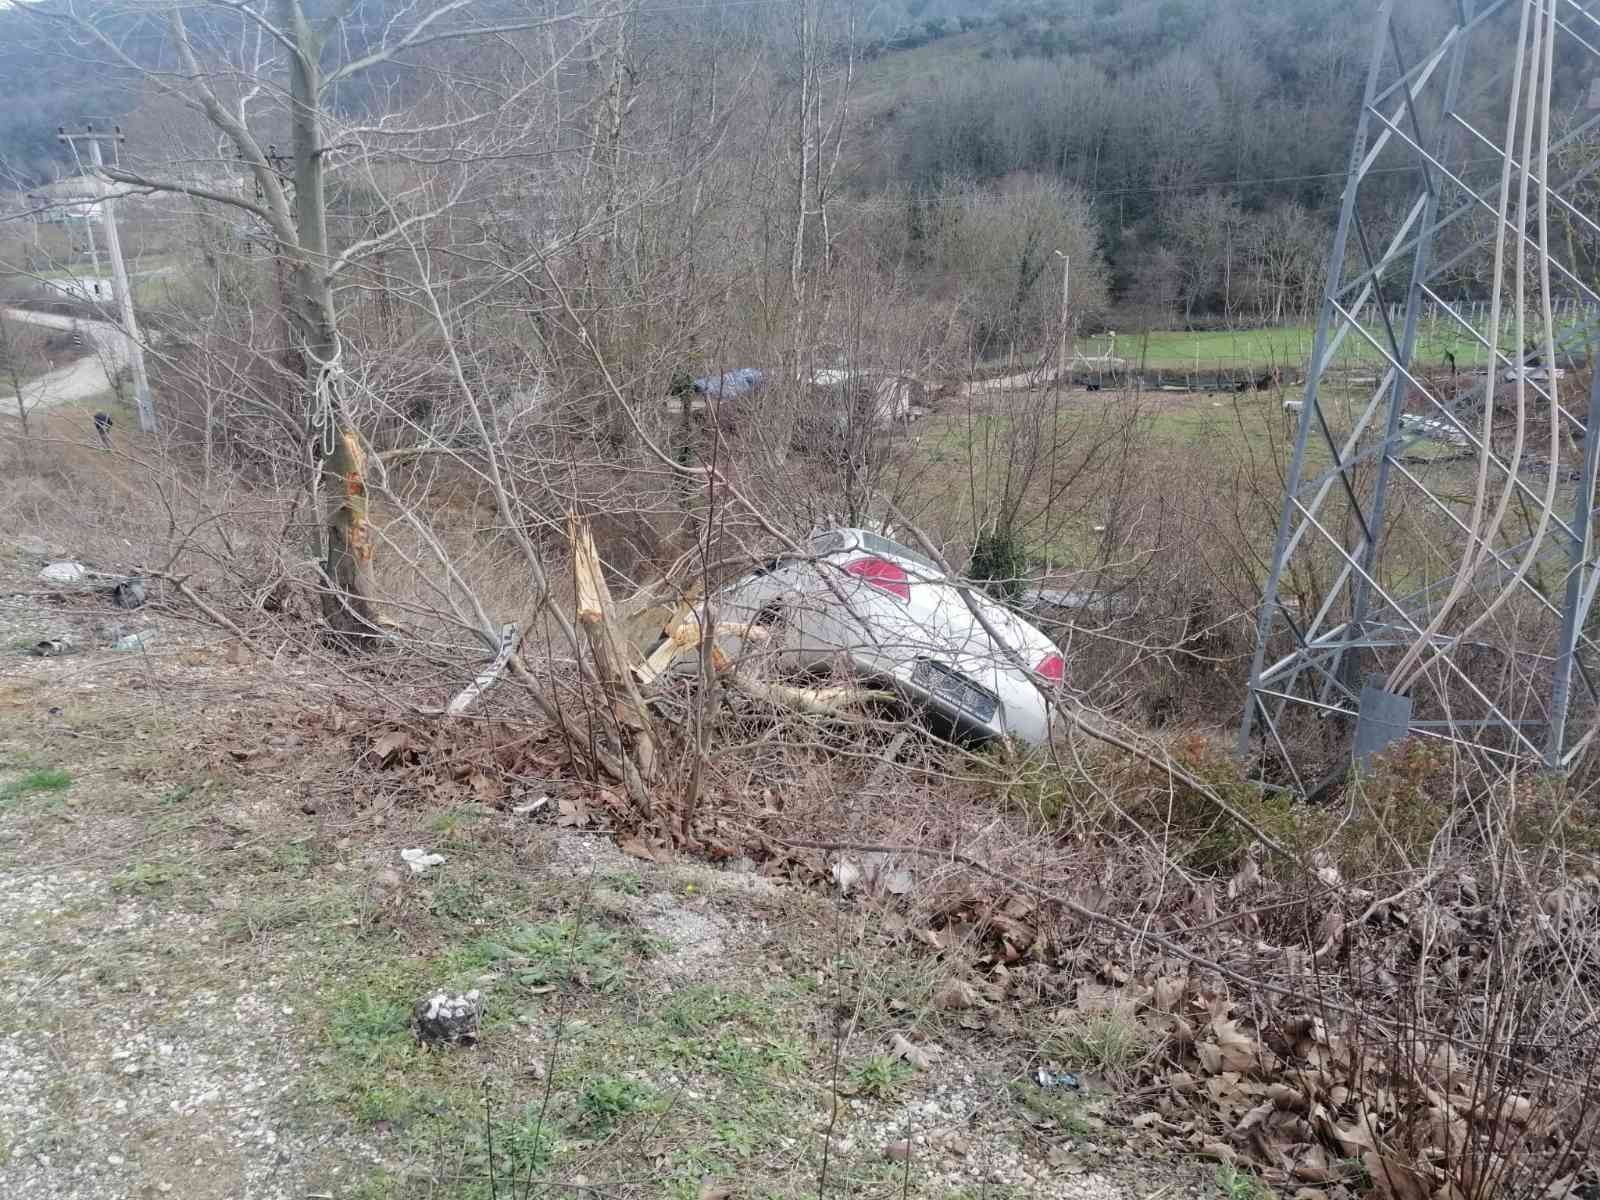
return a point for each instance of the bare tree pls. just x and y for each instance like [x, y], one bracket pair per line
[20, 357]
[253, 68]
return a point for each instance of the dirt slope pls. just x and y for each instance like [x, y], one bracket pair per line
[209, 949]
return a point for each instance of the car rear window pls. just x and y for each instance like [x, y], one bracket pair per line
[882, 545]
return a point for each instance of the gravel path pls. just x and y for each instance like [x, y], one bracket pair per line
[81, 379]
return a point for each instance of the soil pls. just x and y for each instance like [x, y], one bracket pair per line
[206, 928]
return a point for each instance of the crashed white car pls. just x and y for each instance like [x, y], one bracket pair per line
[885, 614]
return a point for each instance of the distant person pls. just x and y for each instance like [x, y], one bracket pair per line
[102, 426]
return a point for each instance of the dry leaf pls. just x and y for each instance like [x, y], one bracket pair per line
[1168, 993]
[1395, 1179]
[639, 848]
[1256, 1116]
[1314, 1166]
[1248, 876]
[390, 744]
[956, 994]
[918, 1056]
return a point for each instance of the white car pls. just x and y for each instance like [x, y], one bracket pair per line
[887, 615]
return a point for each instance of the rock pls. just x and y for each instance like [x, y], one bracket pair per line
[64, 572]
[128, 594]
[452, 1019]
[136, 641]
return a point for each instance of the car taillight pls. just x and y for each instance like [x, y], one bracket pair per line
[881, 573]
[1053, 667]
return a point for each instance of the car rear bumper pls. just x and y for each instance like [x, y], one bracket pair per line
[1025, 718]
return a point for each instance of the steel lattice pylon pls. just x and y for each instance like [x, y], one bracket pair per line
[1378, 518]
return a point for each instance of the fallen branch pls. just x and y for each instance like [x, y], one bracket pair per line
[816, 702]
[488, 677]
[210, 613]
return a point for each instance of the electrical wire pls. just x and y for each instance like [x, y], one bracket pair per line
[1469, 555]
[1482, 536]
[1547, 315]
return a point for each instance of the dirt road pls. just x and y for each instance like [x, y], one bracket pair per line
[103, 346]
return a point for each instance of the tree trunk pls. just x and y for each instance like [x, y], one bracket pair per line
[349, 603]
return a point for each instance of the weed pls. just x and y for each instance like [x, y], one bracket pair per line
[558, 952]
[48, 779]
[524, 1145]
[460, 902]
[176, 795]
[1112, 1043]
[1240, 1185]
[608, 1099]
[146, 878]
[368, 1025]
[1053, 1106]
[697, 1009]
[629, 883]
[880, 1076]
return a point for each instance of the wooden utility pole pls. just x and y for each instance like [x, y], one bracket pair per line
[119, 269]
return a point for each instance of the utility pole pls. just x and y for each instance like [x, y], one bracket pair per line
[1064, 350]
[88, 230]
[119, 270]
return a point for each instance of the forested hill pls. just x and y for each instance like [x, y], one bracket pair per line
[1115, 93]
[1203, 134]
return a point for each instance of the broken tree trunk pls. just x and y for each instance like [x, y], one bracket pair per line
[614, 658]
[349, 603]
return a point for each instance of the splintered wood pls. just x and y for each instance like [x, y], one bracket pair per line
[613, 657]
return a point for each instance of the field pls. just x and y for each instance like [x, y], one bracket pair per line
[1225, 350]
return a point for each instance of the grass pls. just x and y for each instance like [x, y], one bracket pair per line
[593, 1059]
[45, 781]
[880, 1077]
[1211, 350]
[560, 952]
[607, 1100]
[1111, 1043]
[1235, 1184]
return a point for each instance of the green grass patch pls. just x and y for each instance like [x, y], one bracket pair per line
[607, 1100]
[41, 782]
[560, 952]
[880, 1076]
[150, 878]
[1214, 350]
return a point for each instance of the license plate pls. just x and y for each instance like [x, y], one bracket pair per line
[955, 688]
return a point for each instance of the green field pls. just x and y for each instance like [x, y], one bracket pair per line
[1287, 345]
